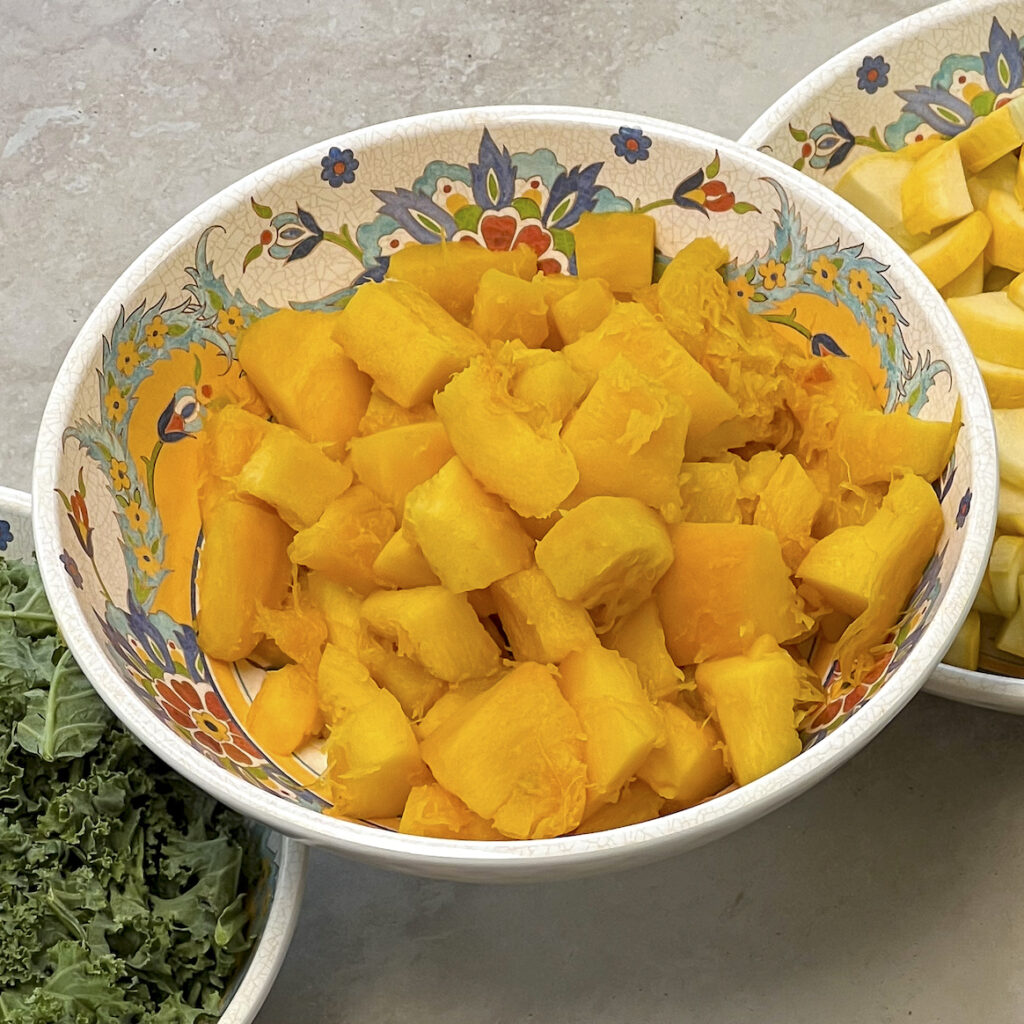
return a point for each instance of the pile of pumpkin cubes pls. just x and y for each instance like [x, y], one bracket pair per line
[957, 206]
[550, 554]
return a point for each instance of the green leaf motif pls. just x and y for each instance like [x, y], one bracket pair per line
[526, 208]
[430, 224]
[1003, 72]
[565, 241]
[983, 103]
[197, 371]
[468, 217]
[713, 168]
[253, 253]
[799, 163]
[746, 208]
[493, 189]
[560, 210]
[265, 212]
[176, 330]
[215, 300]
[798, 133]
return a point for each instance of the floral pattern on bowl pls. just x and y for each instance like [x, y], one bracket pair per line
[123, 454]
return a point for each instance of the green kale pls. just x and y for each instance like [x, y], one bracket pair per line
[123, 889]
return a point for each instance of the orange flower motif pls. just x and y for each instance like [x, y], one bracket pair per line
[860, 284]
[147, 560]
[119, 475]
[115, 403]
[155, 332]
[127, 357]
[884, 321]
[773, 273]
[741, 288]
[230, 321]
[824, 271]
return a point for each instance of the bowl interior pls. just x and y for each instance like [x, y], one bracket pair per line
[929, 75]
[117, 520]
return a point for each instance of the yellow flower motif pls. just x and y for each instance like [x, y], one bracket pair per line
[146, 559]
[884, 321]
[774, 274]
[824, 271]
[860, 284]
[127, 357]
[155, 332]
[230, 320]
[119, 475]
[741, 288]
[208, 724]
[137, 516]
[115, 404]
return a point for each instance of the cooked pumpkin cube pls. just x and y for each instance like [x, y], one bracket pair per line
[1005, 247]
[530, 468]
[628, 437]
[640, 637]
[876, 446]
[617, 247]
[452, 700]
[532, 785]
[637, 803]
[934, 192]
[373, 758]
[606, 553]
[404, 340]
[870, 571]
[633, 331]
[753, 699]
[435, 627]
[229, 437]
[432, 811]
[555, 287]
[727, 585]
[508, 307]
[243, 564]
[582, 309]
[298, 630]
[340, 608]
[620, 723]
[469, 537]
[416, 689]
[988, 138]
[540, 625]
[788, 506]
[393, 461]
[449, 272]
[709, 492]
[401, 564]
[293, 475]
[346, 540]
[285, 713]
[689, 766]
[307, 379]
[947, 256]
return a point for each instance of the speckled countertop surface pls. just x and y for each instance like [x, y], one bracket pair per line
[889, 893]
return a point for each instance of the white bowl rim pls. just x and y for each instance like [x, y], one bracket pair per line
[528, 859]
[983, 689]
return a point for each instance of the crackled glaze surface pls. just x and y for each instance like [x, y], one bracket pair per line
[116, 513]
[929, 75]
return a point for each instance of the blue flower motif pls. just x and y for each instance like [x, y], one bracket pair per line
[180, 418]
[71, 568]
[296, 235]
[872, 75]
[963, 508]
[825, 343]
[631, 144]
[6, 536]
[339, 167]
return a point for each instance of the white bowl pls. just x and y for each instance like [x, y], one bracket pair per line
[305, 231]
[277, 898]
[886, 91]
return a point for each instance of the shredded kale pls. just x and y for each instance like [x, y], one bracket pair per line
[123, 889]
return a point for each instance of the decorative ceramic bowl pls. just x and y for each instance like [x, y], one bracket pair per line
[930, 74]
[276, 901]
[116, 522]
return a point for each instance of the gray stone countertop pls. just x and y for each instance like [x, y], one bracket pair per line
[889, 892]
